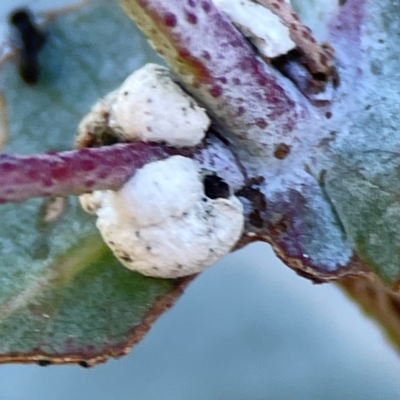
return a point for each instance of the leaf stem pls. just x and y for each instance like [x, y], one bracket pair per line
[73, 172]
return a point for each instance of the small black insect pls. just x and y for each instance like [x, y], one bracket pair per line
[215, 187]
[32, 40]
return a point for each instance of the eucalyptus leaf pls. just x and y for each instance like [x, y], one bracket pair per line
[64, 298]
[319, 151]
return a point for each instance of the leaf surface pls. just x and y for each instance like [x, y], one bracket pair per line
[64, 298]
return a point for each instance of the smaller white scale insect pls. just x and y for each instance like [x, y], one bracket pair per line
[161, 223]
[265, 30]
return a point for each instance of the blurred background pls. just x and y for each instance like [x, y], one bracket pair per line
[248, 328]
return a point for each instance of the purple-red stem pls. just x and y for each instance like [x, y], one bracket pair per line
[73, 172]
[253, 105]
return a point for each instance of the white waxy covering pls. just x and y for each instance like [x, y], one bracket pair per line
[260, 25]
[161, 223]
[151, 107]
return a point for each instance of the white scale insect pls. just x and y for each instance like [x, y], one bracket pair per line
[264, 29]
[161, 223]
